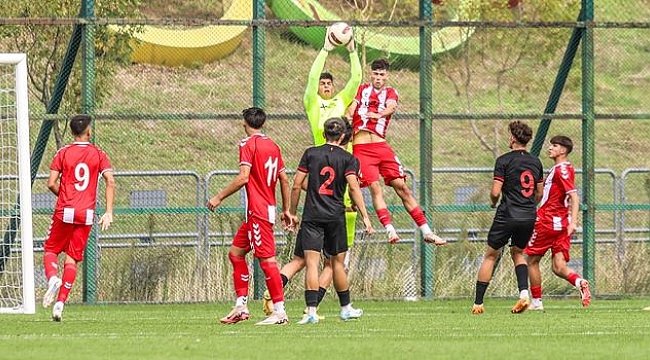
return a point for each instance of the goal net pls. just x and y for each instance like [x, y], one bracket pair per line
[16, 247]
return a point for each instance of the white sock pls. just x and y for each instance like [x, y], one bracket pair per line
[241, 301]
[311, 310]
[279, 307]
[390, 227]
[577, 284]
[425, 229]
[537, 302]
[53, 279]
[347, 307]
[523, 294]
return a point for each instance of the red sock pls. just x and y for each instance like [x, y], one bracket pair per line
[239, 274]
[273, 280]
[384, 217]
[536, 291]
[51, 264]
[69, 274]
[418, 216]
[571, 278]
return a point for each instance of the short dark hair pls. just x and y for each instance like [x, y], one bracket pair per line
[347, 132]
[79, 124]
[326, 75]
[521, 131]
[254, 117]
[334, 128]
[380, 64]
[564, 141]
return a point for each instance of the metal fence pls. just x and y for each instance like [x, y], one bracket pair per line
[167, 88]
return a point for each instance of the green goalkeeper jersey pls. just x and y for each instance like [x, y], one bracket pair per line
[318, 110]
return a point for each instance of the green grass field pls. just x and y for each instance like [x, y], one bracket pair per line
[439, 329]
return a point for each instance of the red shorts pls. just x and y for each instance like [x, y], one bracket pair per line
[376, 159]
[256, 235]
[545, 238]
[71, 238]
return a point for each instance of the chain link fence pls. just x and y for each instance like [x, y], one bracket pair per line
[167, 88]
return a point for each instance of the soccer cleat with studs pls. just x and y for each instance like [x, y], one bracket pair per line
[238, 313]
[308, 319]
[57, 311]
[52, 290]
[585, 293]
[267, 304]
[275, 318]
[477, 309]
[521, 305]
[432, 238]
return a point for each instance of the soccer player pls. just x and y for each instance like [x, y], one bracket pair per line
[74, 177]
[260, 167]
[518, 180]
[557, 220]
[321, 103]
[371, 112]
[328, 169]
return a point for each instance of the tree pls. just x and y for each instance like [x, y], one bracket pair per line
[507, 53]
[46, 45]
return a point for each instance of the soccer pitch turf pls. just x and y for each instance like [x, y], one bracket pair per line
[438, 329]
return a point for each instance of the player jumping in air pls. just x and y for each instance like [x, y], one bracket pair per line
[371, 112]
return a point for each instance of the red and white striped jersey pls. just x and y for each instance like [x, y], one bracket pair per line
[80, 165]
[265, 160]
[553, 211]
[370, 100]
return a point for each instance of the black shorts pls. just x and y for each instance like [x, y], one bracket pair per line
[328, 237]
[502, 230]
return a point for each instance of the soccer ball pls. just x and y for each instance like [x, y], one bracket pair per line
[339, 34]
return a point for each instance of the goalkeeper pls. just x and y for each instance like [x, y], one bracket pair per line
[321, 103]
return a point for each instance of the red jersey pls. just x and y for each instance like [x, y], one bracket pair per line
[80, 165]
[265, 160]
[370, 100]
[553, 211]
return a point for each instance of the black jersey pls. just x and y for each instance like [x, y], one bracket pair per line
[326, 166]
[520, 173]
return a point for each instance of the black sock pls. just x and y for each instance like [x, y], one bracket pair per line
[321, 294]
[522, 276]
[481, 287]
[311, 298]
[344, 297]
[285, 280]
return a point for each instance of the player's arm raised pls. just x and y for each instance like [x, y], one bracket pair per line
[350, 89]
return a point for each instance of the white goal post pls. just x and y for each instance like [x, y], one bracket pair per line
[17, 293]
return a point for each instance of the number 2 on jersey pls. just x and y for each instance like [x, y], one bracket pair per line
[527, 183]
[324, 189]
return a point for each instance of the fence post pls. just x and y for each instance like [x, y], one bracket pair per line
[426, 140]
[88, 107]
[259, 100]
[588, 133]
